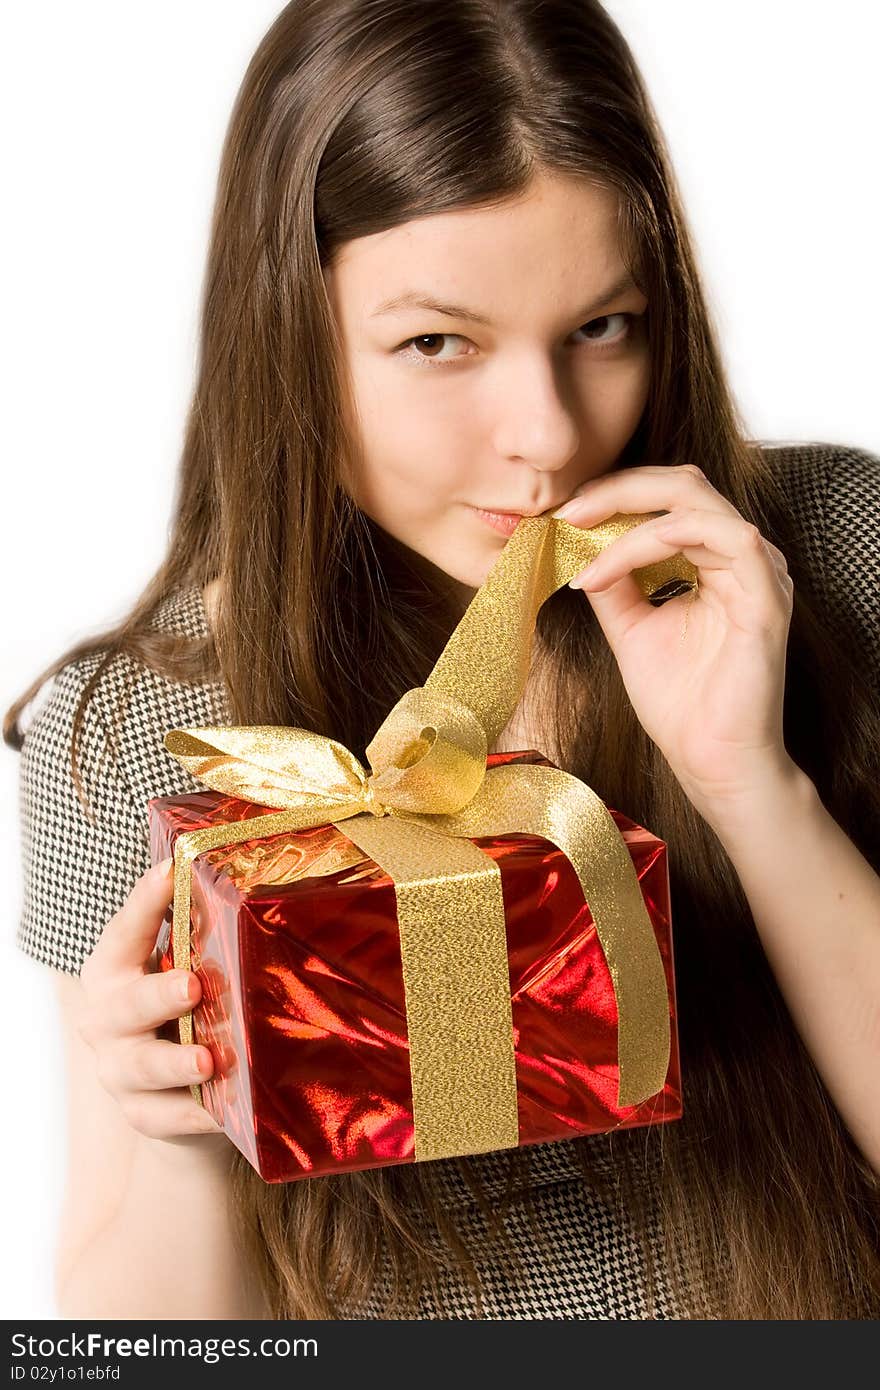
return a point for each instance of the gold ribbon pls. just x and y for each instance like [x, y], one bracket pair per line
[427, 795]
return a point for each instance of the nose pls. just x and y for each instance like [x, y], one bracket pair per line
[536, 424]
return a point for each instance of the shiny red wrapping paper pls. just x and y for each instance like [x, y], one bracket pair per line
[294, 938]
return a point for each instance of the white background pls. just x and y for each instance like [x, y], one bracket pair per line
[113, 122]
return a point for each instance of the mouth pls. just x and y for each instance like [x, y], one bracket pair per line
[503, 521]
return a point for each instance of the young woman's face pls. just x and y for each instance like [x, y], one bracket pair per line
[529, 379]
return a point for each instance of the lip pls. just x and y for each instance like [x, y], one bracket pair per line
[503, 521]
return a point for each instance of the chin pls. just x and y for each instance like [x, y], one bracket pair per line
[473, 571]
[457, 557]
[468, 570]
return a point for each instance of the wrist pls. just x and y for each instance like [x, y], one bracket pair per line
[782, 794]
[187, 1154]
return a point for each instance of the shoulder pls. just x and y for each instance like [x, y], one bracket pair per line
[832, 485]
[125, 716]
[832, 494]
[84, 842]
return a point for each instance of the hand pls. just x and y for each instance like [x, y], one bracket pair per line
[126, 1002]
[705, 672]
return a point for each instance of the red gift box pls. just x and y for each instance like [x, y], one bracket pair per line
[296, 944]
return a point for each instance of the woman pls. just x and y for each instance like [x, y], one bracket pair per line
[343, 461]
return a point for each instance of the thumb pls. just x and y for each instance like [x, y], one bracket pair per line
[129, 938]
[617, 606]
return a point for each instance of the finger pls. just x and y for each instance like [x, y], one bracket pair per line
[144, 1004]
[138, 1064]
[780, 563]
[622, 602]
[129, 938]
[165, 1115]
[644, 489]
[641, 545]
[751, 561]
[734, 545]
[590, 484]
[776, 555]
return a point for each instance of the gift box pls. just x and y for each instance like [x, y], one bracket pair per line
[449, 952]
[296, 944]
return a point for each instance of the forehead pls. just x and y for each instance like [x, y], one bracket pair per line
[557, 240]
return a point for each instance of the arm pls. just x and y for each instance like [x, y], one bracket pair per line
[712, 699]
[124, 1236]
[145, 1228]
[816, 904]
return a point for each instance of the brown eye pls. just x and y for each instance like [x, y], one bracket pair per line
[427, 343]
[607, 329]
[425, 348]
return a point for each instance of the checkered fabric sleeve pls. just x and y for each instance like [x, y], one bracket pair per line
[849, 566]
[78, 868]
[835, 511]
[76, 873]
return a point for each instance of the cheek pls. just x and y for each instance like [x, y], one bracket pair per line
[407, 448]
[616, 405]
[409, 472]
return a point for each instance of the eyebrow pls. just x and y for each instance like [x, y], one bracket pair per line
[420, 299]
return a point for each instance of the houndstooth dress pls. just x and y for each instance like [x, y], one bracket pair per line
[75, 876]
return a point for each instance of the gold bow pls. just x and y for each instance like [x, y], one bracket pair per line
[427, 796]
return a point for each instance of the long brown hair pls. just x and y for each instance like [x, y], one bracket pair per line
[355, 116]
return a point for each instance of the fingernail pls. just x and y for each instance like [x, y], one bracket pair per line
[163, 867]
[566, 510]
[586, 575]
